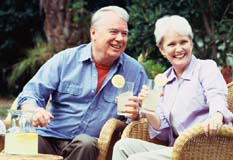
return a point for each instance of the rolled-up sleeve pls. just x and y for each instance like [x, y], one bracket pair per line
[38, 89]
[163, 132]
[215, 90]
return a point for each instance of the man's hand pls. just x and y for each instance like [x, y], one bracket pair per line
[41, 117]
[132, 108]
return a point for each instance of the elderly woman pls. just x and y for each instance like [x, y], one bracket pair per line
[192, 95]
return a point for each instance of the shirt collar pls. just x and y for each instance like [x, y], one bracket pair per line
[187, 73]
[190, 69]
[86, 54]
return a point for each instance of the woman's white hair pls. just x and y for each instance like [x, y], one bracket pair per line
[121, 12]
[176, 23]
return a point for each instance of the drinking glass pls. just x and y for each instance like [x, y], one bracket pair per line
[124, 94]
[152, 99]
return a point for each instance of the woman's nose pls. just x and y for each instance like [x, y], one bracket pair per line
[179, 48]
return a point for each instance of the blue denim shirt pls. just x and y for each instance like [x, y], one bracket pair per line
[70, 77]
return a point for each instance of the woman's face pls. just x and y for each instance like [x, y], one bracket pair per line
[177, 49]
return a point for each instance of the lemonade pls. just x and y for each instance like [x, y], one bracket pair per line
[122, 99]
[151, 101]
[21, 143]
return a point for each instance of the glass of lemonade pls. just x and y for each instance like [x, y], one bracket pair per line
[152, 99]
[124, 94]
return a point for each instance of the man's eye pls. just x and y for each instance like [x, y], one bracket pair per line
[184, 42]
[113, 32]
[125, 33]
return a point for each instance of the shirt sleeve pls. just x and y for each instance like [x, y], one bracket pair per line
[39, 88]
[163, 132]
[215, 89]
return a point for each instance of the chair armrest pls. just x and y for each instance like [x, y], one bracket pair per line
[193, 144]
[110, 133]
[136, 129]
[230, 96]
[139, 130]
[2, 142]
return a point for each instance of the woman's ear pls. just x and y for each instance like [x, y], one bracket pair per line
[162, 51]
[192, 44]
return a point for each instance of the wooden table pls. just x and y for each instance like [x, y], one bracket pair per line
[4, 156]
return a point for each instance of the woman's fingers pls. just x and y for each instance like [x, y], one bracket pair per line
[212, 127]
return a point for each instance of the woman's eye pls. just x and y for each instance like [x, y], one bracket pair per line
[171, 44]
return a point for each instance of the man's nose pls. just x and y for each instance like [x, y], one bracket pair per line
[119, 36]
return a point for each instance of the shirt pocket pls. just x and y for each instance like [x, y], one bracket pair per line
[70, 88]
[110, 96]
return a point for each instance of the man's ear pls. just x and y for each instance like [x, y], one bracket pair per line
[92, 33]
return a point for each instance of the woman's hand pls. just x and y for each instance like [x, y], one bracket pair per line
[213, 124]
[143, 93]
[152, 117]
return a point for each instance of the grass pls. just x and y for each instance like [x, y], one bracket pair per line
[3, 112]
[5, 104]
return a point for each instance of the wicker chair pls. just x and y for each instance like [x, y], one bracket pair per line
[110, 133]
[192, 144]
[138, 129]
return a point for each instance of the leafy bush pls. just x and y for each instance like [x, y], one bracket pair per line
[26, 68]
[211, 22]
[20, 22]
[152, 68]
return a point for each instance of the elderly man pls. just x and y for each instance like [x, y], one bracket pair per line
[82, 95]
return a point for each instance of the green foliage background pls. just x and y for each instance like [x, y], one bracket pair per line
[21, 23]
[145, 13]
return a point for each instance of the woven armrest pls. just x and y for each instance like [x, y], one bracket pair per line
[194, 145]
[2, 142]
[110, 133]
[139, 130]
[230, 96]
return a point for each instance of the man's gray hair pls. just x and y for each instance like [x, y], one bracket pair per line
[121, 12]
[174, 22]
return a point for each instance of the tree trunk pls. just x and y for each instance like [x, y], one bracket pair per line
[208, 22]
[59, 27]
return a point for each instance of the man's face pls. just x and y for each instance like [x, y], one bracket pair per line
[109, 38]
